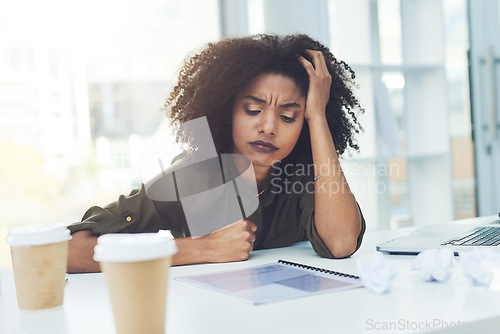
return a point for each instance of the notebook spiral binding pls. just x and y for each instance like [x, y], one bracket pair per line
[327, 271]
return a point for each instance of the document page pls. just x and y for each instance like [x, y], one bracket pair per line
[272, 282]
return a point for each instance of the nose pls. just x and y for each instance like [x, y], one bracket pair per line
[268, 123]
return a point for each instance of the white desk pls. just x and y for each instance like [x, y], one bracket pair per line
[411, 306]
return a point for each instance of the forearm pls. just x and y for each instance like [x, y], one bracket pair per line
[230, 243]
[81, 253]
[337, 216]
[189, 251]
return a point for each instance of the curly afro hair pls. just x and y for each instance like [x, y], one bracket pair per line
[209, 82]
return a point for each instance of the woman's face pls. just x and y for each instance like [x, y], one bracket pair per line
[267, 119]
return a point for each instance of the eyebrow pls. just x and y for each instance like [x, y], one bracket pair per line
[285, 106]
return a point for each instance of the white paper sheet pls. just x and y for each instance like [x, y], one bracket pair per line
[272, 282]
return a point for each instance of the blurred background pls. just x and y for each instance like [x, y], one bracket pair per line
[83, 83]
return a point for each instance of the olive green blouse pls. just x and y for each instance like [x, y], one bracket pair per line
[285, 214]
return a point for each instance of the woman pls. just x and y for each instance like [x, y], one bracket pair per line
[287, 105]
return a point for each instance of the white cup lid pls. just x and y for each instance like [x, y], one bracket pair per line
[123, 247]
[38, 235]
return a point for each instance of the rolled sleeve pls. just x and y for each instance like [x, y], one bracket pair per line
[135, 213]
[308, 222]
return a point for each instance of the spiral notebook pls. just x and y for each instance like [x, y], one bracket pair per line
[274, 282]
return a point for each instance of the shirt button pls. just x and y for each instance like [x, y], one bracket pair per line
[128, 218]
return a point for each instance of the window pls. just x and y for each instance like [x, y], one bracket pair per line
[83, 80]
[416, 160]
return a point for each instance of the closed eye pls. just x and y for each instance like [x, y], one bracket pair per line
[287, 119]
[252, 112]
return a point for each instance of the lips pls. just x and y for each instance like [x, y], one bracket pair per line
[263, 146]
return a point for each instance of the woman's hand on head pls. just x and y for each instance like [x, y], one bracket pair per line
[231, 243]
[320, 82]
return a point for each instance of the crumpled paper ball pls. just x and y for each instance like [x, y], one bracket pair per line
[479, 265]
[434, 264]
[378, 274]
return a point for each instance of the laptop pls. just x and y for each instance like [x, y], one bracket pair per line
[459, 236]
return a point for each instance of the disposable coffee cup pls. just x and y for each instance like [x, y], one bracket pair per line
[136, 268]
[39, 260]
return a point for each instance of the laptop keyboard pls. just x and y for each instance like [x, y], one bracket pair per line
[481, 236]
